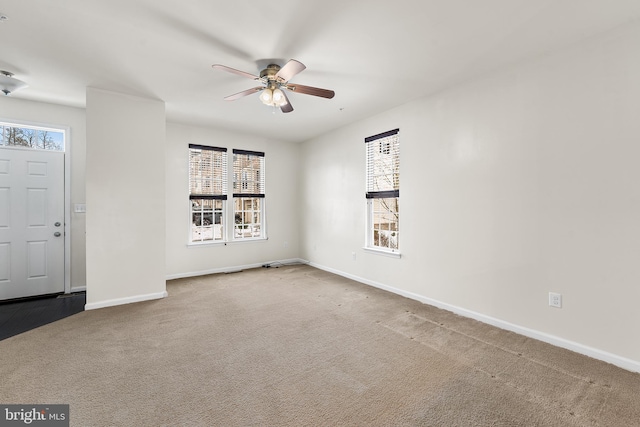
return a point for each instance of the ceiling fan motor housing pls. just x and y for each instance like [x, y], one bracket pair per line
[270, 72]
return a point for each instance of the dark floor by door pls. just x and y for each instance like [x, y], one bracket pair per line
[20, 316]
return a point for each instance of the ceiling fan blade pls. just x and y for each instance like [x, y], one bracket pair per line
[310, 90]
[286, 108]
[243, 93]
[289, 70]
[234, 71]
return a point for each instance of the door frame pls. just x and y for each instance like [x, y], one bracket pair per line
[67, 193]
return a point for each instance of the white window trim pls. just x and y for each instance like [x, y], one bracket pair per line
[263, 228]
[227, 243]
[368, 244]
[263, 209]
[263, 225]
[229, 216]
[225, 208]
[37, 127]
[379, 251]
[191, 243]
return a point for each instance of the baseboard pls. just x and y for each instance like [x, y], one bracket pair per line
[232, 269]
[78, 289]
[127, 300]
[622, 362]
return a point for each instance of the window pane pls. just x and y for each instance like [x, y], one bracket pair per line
[206, 220]
[207, 172]
[27, 137]
[248, 218]
[383, 164]
[50, 140]
[248, 174]
[20, 137]
[385, 219]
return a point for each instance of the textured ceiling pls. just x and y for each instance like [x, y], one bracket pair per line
[374, 54]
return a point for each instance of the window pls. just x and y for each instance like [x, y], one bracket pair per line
[383, 191]
[248, 194]
[207, 192]
[208, 187]
[39, 138]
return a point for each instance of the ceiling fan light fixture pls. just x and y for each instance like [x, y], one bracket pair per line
[9, 84]
[267, 96]
[273, 97]
[278, 98]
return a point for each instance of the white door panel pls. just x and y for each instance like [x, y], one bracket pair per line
[5, 262]
[31, 222]
[36, 260]
[36, 207]
[5, 205]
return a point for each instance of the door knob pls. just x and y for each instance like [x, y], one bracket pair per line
[57, 234]
[57, 224]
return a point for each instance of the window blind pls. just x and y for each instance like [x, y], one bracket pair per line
[248, 173]
[207, 172]
[383, 165]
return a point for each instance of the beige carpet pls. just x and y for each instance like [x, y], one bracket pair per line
[296, 346]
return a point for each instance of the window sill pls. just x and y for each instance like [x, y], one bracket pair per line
[248, 240]
[383, 252]
[225, 243]
[206, 244]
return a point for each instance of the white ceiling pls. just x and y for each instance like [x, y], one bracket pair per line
[375, 54]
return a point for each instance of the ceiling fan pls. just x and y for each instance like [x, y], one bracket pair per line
[274, 79]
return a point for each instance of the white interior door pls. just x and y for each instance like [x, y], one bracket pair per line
[31, 222]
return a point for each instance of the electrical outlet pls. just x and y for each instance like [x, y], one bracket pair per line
[555, 300]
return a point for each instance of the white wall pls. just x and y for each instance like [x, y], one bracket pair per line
[281, 164]
[109, 171]
[125, 184]
[23, 111]
[513, 185]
